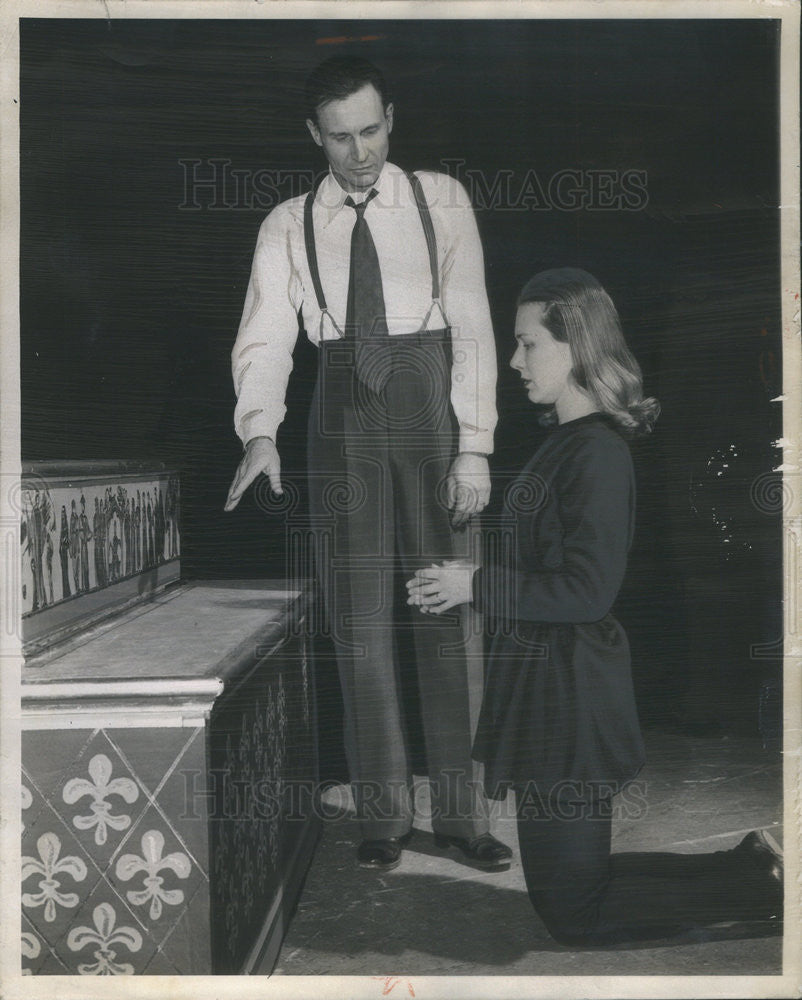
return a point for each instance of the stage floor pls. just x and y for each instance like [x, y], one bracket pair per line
[434, 916]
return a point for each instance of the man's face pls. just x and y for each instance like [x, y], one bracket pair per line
[355, 136]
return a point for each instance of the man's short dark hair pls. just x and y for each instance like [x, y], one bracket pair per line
[338, 78]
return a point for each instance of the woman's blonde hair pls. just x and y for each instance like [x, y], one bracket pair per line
[577, 310]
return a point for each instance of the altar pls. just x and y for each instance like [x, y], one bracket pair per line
[169, 777]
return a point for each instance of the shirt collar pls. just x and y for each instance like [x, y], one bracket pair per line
[331, 196]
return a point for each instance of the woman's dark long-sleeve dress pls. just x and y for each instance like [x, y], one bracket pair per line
[558, 721]
[559, 704]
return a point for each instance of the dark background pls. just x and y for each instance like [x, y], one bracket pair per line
[131, 298]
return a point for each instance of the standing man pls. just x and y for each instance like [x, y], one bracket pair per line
[387, 271]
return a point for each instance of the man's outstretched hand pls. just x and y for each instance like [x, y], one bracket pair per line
[261, 455]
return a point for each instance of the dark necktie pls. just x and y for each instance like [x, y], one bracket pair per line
[365, 315]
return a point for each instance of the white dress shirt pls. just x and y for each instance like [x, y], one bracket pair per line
[281, 284]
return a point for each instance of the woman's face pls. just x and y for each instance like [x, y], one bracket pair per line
[543, 363]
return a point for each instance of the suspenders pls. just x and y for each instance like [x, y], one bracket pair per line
[311, 252]
[428, 231]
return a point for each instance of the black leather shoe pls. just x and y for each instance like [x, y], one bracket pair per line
[483, 852]
[757, 848]
[381, 855]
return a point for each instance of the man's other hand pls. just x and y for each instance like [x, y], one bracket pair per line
[261, 455]
[468, 486]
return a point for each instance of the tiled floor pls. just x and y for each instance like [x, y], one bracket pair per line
[434, 916]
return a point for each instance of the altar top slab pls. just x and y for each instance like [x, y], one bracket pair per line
[193, 637]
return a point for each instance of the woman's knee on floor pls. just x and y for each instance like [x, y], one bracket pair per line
[571, 917]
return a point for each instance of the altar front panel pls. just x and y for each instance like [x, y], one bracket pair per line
[136, 860]
[115, 876]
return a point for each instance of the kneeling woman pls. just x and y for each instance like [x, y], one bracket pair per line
[558, 721]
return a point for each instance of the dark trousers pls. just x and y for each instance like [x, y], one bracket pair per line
[585, 895]
[378, 460]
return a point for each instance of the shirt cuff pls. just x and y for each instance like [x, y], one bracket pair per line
[471, 439]
[255, 424]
